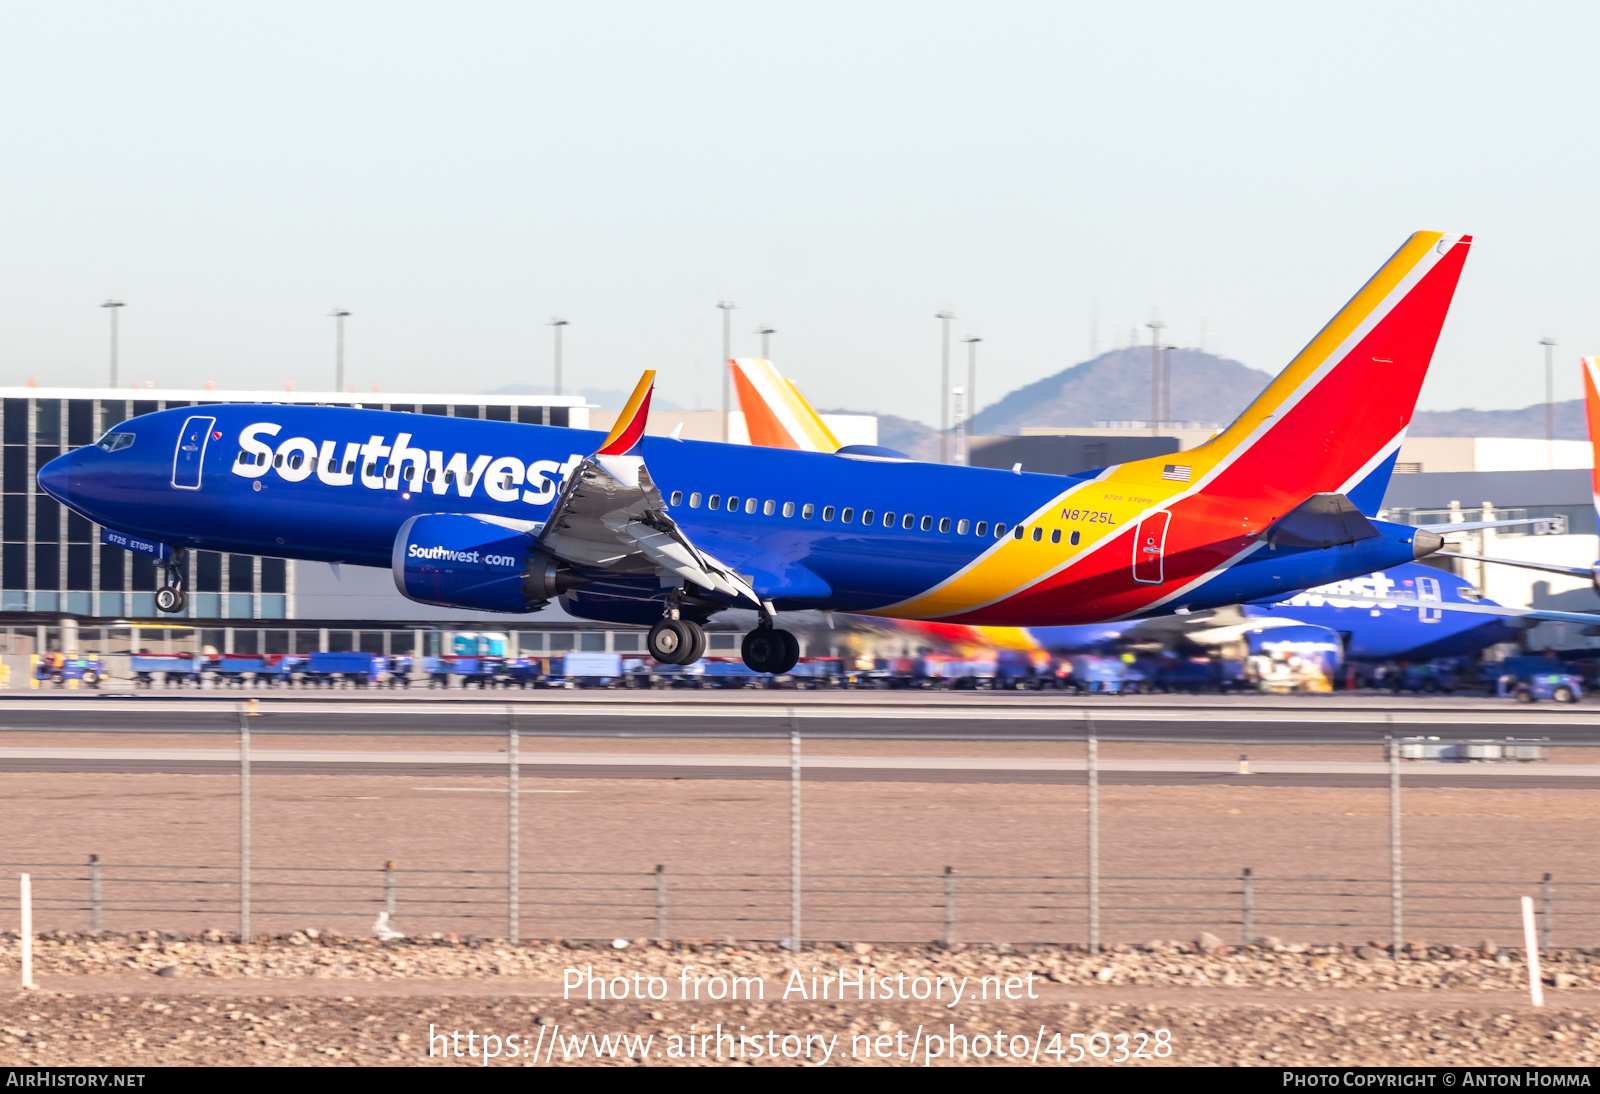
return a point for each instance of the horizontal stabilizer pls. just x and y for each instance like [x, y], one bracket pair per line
[1322, 520]
[1548, 567]
[1538, 615]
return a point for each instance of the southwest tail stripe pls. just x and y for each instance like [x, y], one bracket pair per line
[1314, 429]
[812, 421]
[630, 423]
[1591, 409]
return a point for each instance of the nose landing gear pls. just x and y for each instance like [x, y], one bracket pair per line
[170, 598]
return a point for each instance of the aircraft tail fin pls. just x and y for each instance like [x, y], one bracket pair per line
[1332, 421]
[1591, 409]
[775, 413]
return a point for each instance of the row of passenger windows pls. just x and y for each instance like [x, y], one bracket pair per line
[869, 517]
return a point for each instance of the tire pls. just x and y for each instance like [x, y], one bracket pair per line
[1564, 694]
[1523, 695]
[670, 640]
[697, 647]
[90, 679]
[769, 650]
[170, 600]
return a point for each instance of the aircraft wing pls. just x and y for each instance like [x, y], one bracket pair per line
[611, 515]
[1548, 567]
[1586, 619]
[1475, 525]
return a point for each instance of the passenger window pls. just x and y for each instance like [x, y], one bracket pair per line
[944, 524]
[677, 498]
[449, 476]
[788, 508]
[388, 472]
[811, 510]
[982, 529]
[277, 461]
[888, 520]
[927, 524]
[847, 515]
[1073, 539]
[470, 477]
[999, 530]
[827, 512]
[1055, 535]
[411, 473]
[244, 457]
[431, 474]
[908, 522]
[733, 503]
[714, 502]
[961, 528]
[350, 469]
[694, 500]
[1017, 532]
[1038, 533]
[750, 506]
[866, 517]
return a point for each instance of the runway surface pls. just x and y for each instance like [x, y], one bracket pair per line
[922, 769]
[1327, 719]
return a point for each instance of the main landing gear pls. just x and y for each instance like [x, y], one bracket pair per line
[767, 649]
[170, 597]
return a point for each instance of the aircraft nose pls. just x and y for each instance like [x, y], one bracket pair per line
[55, 477]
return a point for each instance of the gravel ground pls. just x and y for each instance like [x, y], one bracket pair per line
[147, 999]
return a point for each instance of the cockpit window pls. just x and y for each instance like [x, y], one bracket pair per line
[112, 442]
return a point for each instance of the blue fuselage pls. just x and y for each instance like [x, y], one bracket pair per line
[228, 478]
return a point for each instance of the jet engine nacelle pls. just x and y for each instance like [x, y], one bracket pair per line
[456, 561]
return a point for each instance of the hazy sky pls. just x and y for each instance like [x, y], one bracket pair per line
[456, 174]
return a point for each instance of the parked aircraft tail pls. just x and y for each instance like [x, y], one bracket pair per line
[1591, 409]
[775, 413]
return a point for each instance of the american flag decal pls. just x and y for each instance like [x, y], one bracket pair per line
[1177, 472]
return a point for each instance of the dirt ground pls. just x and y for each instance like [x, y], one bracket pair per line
[873, 855]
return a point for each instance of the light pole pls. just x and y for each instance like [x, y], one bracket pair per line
[113, 306]
[944, 318]
[727, 307]
[1549, 345]
[972, 386]
[1155, 326]
[558, 324]
[961, 426]
[766, 342]
[339, 316]
[1166, 385]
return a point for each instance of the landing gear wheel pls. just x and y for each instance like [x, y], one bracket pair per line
[670, 640]
[767, 649]
[697, 648]
[170, 600]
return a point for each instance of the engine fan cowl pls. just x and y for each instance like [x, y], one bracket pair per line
[456, 561]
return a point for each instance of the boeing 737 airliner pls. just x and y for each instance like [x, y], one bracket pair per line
[504, 517]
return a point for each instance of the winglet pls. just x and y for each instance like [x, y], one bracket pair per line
[775, 413]
[1591, 407]
[630, 424]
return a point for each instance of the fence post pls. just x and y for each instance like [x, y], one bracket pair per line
[661, 901]
[1092, 764]
[27, 932]
[1545, 924]
[1249, 916]
[1394, 846]
[513, 825]
[95, 925]
[244, 826]
[388, 892]
[949, 906]
[794, 832]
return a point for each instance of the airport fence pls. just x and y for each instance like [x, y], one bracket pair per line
[948, 907]
[676, 901]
